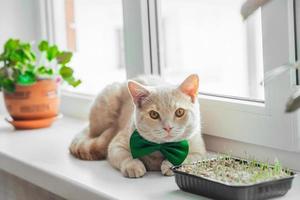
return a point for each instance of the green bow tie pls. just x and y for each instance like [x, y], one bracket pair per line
[175, 152]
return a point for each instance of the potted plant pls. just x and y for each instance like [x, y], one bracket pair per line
[226, 177]
[30, 85]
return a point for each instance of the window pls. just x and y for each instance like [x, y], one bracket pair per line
[233, 103]
[94, 32]
[212, 39]
[176, 37]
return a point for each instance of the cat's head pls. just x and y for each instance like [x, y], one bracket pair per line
[166, 113]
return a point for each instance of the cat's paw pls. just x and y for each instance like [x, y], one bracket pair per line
[133, 168]
[84, 150]
[166, 168]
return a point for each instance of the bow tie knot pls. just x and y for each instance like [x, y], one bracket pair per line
[174, 152]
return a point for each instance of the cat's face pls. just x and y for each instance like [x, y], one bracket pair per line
[166, 114]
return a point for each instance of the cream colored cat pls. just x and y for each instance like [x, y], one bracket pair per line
[160, 112]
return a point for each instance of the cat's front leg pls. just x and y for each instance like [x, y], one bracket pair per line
[193, 157]
[196, 149]
[166, 165]
[133, 168]
[119, 156]
[166, 168]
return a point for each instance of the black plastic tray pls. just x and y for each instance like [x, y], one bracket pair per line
[218, 190]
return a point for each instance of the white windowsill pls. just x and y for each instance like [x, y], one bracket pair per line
[42, 158]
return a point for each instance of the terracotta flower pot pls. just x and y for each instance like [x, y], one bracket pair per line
[37, 101]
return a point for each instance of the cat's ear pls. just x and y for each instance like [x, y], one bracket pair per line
[190, 86]
[138, 92]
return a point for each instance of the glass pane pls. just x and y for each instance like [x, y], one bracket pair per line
[210, 38]
[97, 41]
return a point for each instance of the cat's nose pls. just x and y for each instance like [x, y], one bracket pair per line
[168, 128]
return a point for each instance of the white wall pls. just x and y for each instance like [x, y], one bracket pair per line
[19, 19]
[14, 188]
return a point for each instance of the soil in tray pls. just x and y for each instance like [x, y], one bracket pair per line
[233, 171]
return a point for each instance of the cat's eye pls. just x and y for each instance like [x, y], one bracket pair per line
[153, 114]
[179, 112]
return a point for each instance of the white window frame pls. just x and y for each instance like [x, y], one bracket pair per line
[255, 122]
[225, 120]
[248, 124]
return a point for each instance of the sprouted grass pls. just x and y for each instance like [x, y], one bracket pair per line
[229, 170]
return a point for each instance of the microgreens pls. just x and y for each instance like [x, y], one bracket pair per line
[234, 171]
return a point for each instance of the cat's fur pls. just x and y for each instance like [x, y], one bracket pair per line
[121, 108]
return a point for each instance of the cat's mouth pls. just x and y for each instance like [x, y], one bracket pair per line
[169, 136]
[174, 137]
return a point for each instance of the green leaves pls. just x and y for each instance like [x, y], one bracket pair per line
[43, 46]
[7, 84]
[67, 74]
[28, 78]
[30, 56]
[72, 81]
[2, 57]
[51, 51]
[43, 71]
[20, 67]
[64, 57]
[18, 59]
[11, 44]
[17, 52]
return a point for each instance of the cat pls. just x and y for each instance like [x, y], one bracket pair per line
[159, 111]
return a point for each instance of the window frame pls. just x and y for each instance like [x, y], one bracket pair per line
[258, 122]
[244, 122]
